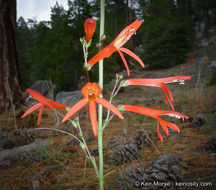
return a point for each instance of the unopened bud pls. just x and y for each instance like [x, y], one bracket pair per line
[89, 26]
[119, 76]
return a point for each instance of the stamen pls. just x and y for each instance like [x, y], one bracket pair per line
[124, 37]
[180, 81]
[175, 116]
[29, 97]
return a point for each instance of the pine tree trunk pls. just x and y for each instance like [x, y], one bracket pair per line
[10, 91]
[186, 8]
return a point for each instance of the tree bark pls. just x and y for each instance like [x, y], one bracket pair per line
[10, 91]
[186, 8]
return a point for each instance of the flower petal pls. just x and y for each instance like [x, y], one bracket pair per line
[109, 106]
[126, 33]
[127, 51]
[75, 109]
[57, 105]
[158, 81]
[158, 131]
[119, 41]
[168, 92]
[173, 79]
[152, 112]
[93, 116]
[142, 110]
[39, 97]
[163, 125]
[172, 126]
[143, 82]
[166, 98]
[40, 114]
[125, 62]
[173, 114]
[106, 52]
[155, 114]
[91, 86]
[89, 26]
[30, 110]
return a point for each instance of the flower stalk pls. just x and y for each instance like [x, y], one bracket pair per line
[100, 108]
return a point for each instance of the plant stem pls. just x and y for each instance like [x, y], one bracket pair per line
[58, 130]
[100, 108]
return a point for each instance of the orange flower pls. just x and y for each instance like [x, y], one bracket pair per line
[155, 114]
[91, 92]
[42, 102]
[117, 44]
[89, 26]
[158, 83]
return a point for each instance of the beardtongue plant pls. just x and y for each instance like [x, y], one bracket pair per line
[92, 93]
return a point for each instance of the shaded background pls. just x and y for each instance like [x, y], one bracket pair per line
[51, 49]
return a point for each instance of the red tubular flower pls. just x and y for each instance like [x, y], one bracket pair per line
[155, 114]
[117, 44]
[190, 59]
[89, 26]
[91, 92]
[42, 102]
[159, 83]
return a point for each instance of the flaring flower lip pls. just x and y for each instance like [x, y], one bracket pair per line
[155, 114]
[117, 44]
[91, 92]
[160, 82]
[89, 26]
[42, 102]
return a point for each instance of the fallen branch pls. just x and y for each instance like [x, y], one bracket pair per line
[12, 153]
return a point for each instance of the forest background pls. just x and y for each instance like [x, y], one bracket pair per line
[51, 50]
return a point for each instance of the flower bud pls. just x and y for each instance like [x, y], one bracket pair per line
[119, 76]
[89, 26]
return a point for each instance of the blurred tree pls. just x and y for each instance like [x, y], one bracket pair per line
[167, 35]
[25, 47]
[203, 11]
[10, 90]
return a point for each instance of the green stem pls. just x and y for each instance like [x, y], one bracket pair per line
[100, 108]
[82, 137]
[88, 153]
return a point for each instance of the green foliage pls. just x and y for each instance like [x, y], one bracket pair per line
[167, 36]
[56, 52]
[52, 50]
[25, 47]
[212, 78]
